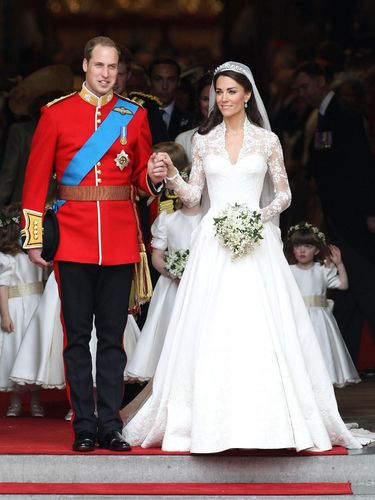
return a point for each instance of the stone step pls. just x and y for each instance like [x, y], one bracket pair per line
[357, 468]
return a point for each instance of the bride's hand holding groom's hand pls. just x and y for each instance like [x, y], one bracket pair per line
[165, 159]
[156, 168]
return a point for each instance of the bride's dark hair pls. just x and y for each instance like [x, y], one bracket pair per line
[252, 112]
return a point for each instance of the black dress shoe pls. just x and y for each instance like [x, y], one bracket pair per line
[114, 441]
[84, 441]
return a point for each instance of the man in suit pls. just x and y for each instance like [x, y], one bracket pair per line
[148, 101]
[343, 168]
[99, 145]
[164, 77]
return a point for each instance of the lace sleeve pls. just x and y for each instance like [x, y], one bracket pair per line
[279, 178]
[190, 193]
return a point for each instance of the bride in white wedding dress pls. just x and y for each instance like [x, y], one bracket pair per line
[241, 366]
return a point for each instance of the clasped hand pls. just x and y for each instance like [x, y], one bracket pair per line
[35, 255]
[160, 166]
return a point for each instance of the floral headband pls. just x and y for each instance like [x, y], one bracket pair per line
[5, 221]
[308, 227]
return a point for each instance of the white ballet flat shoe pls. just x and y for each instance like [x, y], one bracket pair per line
[37, 411]
[14, 410]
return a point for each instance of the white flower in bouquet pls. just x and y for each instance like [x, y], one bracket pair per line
[175, 263]
[239, 229]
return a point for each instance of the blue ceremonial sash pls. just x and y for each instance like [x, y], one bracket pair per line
[97, 145]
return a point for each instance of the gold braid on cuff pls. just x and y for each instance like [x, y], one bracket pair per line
[33, 230]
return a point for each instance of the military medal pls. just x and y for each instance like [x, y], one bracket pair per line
[123, 135]
[323, 140]
[122, 160]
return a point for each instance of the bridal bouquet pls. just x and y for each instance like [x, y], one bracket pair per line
[175, 263]
[239, 229]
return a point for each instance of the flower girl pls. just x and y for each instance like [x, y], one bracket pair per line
[171, 234]
[21, 285]
[316, 267]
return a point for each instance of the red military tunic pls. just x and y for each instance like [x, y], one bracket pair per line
[94, 232]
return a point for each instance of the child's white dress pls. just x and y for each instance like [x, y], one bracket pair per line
[173, 232]
[313, 283]
[46, 365]
[25, 286]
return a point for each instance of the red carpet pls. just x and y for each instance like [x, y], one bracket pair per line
[177, 488]
[47, 436]
[53, 435]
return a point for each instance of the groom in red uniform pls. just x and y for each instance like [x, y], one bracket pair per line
[98, 145]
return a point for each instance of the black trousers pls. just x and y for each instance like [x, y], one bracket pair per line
[101, 293]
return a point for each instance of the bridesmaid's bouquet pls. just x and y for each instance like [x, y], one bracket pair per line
[175, 263]
[239, 229]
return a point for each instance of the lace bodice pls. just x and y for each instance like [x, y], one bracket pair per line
[242, 182]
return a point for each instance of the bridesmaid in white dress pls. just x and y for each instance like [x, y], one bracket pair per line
[241, 366]
[317, 267]
[21, 286]
[171, 232]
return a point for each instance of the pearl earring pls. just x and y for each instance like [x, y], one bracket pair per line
[245, 104]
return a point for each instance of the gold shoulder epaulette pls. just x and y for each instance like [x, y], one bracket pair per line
[137, 100]
[51, 103]
[140, 102]
[130, 99]
[134, 95]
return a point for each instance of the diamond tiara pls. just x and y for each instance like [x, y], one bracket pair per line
[229, 67]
